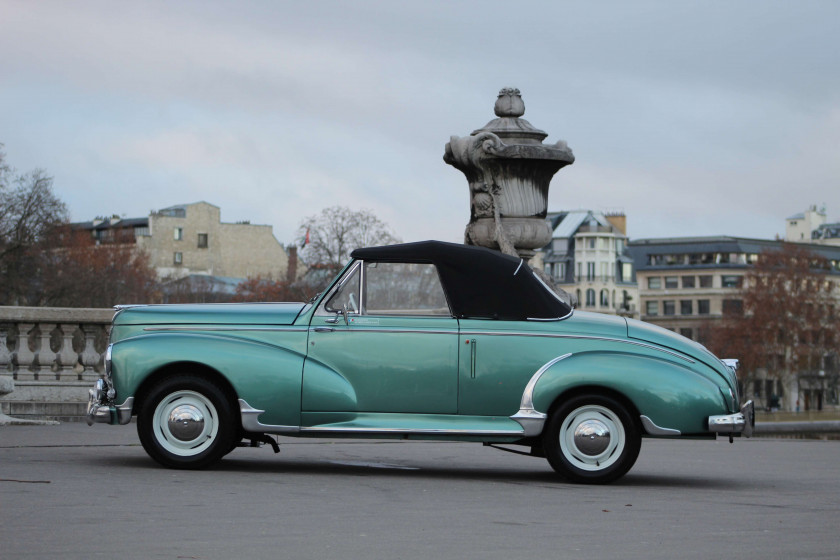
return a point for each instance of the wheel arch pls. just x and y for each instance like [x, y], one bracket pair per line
[188, 368]
[670, 394]
[600, 390]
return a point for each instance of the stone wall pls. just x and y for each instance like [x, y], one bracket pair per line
[53, 356]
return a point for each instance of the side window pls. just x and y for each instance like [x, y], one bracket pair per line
[347, 295]
[403, 289]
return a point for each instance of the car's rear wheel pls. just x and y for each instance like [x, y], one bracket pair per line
[186, 422]
[591, 439]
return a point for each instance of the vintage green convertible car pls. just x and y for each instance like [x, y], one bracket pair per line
[426, 340]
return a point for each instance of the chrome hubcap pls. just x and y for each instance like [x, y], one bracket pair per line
[186, 422]
[592, 437]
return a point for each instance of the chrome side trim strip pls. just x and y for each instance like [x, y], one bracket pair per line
[521, 261]
[410, 431]
[577, 336]
[654, 430]
[251, 423]
[531, 420]
[374, 330]
[228, 329]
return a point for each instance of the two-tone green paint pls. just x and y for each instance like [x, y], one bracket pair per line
[377, 376]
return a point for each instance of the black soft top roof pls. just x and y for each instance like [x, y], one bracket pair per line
[479, 282]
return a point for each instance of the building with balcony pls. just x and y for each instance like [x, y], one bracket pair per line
[688, 283]
[588, 258]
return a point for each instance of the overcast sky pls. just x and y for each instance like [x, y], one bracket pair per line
[695, 118]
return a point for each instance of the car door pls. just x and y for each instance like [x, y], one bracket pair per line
[384, 341]
[498, 358]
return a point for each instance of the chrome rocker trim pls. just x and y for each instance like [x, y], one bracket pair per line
[742, 422]
[408, 431]
[531, 420]
[250, 422]
[654, 430]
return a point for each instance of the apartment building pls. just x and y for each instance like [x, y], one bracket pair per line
[190, 239]
[588, 258]
[686, 284]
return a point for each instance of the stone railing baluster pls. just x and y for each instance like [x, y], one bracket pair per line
[90, 357]
[5, 355]
[67, 356]
[45, 357]
[24, 356]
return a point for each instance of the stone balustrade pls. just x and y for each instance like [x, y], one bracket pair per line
[53, 355]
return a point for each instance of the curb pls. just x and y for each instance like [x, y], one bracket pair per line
[822, 426]
[9, 421]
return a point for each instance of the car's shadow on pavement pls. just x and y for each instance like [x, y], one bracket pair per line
[356, 468]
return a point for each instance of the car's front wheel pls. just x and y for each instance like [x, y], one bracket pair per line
[591, 439]
[186, 422]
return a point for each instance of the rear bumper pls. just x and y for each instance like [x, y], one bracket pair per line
[742, 422]
[101, 408]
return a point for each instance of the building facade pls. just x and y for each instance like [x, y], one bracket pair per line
[686, 284]
[588, 258]
[811, 226]
[190, 239]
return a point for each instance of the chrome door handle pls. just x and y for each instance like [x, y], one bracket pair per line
[324, 329]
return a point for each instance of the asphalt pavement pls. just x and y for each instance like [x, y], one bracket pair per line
[73, 491]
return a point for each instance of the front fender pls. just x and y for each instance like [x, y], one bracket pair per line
[672, 395]
[267, 377]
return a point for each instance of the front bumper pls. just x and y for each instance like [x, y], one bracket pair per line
[742, 422]
[101, 408]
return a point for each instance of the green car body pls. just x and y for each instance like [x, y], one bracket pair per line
[306, 370]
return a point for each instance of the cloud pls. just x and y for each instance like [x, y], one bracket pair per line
[695, 118]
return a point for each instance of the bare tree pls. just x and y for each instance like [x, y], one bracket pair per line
[29, 211]
[787, 324]
[78, 272]
[329, 237]
[266, 289]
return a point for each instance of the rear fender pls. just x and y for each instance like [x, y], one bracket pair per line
[267, 377]
[671, 395]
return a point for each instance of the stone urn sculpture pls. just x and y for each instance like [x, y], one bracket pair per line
[508, 169]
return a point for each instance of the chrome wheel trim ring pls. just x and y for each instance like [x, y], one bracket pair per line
[592, 437]
[190, 438]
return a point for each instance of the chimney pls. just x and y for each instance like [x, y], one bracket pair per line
[291, 269]
[619, 220]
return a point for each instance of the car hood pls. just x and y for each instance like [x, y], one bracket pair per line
[210, 313]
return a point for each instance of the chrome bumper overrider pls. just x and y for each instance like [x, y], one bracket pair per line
[101, 408]
[739, 423]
